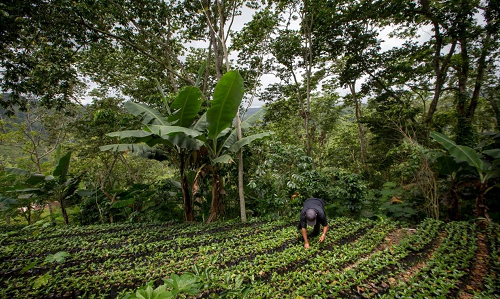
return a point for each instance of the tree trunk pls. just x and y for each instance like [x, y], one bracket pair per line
[496, 110]
[7, 219]
[215, 207]
[28, 217]
[454, 210]
[308, 33]
[64, 212]
[243, 212]
[352, 87]
[188, 204]
[464, 134]
[51, 212]
[481, 209]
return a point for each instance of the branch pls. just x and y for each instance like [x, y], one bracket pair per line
[154, 37]
[138, 48]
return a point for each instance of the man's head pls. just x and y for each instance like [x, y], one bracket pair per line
[311, 217]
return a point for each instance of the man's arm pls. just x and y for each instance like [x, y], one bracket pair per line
[304, 235]
[325, 229]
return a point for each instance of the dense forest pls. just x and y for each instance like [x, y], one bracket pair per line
[203, 113]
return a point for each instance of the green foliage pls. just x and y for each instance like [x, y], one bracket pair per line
[394, 203]
[58, 257]
[227, 98]
[262, 258]
[158, 201]
[186, 107]
[286, 178]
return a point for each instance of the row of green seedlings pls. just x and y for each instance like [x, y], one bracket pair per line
[110, 239]
[97, 253]
[264, 267]
[443, 271]
[407, 253]
[307, 278]
[45, 230]
[491, 281]
[336, 281]
[120, 272]
[86, 266]
[368, 277]
[231, 275]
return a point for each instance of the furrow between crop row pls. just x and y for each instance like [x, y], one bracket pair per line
[380, 283]
[323, 264]
[444, 269]
[110, 258]
[35, 249]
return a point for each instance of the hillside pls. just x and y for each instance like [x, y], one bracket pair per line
[359, 259]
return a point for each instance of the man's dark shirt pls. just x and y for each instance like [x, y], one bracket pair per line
[316, 204]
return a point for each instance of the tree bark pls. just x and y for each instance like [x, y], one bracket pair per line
[496, 110]
[358, 114]
[464, 133]
[64, 212]
[188, 204]
[481, 209]
[215, 206]
[479, 78]
[241, 193]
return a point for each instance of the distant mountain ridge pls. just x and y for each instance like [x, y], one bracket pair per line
[251, 111]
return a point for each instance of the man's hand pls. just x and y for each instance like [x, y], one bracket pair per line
[306, 245]
[322, 238]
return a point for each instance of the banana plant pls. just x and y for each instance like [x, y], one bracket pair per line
[176, 131]
[482, 168]
[221, 142]
[180, 132]
[59, 186]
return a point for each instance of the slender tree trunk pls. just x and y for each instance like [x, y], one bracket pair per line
[454, 211]
[222, 39]
[215, 206]
[64, 212]
[496, 110]
[241, 193]
[7, 219]
[188, 204]
[479, 77]
[464, 134]
[51, 212]
[308, 34]
[358, 114]
[481, 209]
[28, 218]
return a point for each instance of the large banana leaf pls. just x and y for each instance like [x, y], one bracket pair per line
[137, 149]
[201, 124]
[227, 98]
[245, 125]
[447, 165]
[17, 171]
[247, 140]
[494, 153]
[33, 179]
[223, 159]
[185, 142]
[150, 115]
[461, 152]
[170, 130]
[62, 166]
[130, 133]
[186, 106]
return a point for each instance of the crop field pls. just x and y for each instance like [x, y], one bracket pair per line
[259, 259]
